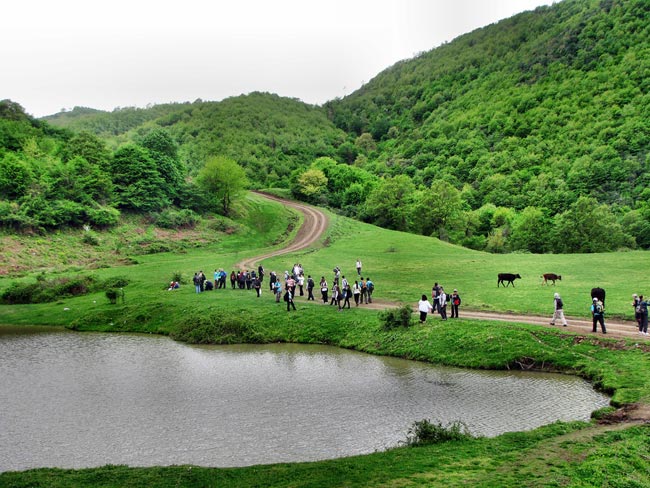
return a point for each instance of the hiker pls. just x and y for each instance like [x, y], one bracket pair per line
[356, 291]
[558, 313]
[455, 303]
[278, 291]
[323, 289]
[358, 267]
[310, 288]
[288, 297]
[598, 315]
[424, 306]
[371, 287]
[442, 303]
[642, 310]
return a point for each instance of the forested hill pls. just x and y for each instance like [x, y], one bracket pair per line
[270, 136]
[529, 134]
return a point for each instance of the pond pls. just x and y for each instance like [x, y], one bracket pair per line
[75, 400]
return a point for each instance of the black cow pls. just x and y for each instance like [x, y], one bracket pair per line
[598, 293]
[550, 277]
[509, 277]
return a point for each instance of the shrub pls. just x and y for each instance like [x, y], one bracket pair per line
[396, 317]
[49, 290]
[424, 432]
[174, 219]
[103, 216]
[112, 295]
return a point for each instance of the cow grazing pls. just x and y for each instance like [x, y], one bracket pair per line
[550, 277]
[598, 293]
[509, 277]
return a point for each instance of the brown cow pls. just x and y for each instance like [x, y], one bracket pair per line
[550, 277]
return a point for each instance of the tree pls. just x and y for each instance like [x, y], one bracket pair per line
[138, 184]
[437, 208]
[311, 184]
[223, 179]
[390, 203]
[588, 227]
[531, 231]
[15, 177]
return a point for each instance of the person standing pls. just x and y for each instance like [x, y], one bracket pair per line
[558, 313]
[598, 315]
[635, 306]
[455, 303]
[310, 288]
[358, 267]
[277, 290]
[364, 291]
[301, 284]
[272, 279]
[257, 284]
[435, 291]
[424, 306]
[356, 291]
[323, 289]
[197, 282]
[642, 310]
[288, 297]
[442, 303]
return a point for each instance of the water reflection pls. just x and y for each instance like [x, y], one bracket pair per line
[77, 400]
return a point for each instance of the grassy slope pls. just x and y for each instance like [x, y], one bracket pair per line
[403, 266]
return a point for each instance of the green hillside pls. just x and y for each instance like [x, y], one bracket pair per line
[530, 134]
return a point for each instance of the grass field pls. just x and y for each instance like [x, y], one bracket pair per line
[403, 267]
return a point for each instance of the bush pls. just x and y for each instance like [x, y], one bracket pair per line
[103, 217]
[175, 219]
[112, 294]
[50, 290]
[396, 317]
[424, 432]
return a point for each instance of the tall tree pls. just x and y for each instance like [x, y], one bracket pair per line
[138, 185]
[223, 179]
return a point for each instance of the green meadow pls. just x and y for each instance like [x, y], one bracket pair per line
[403, 267]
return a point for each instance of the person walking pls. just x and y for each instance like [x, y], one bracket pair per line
[310, 288]
[371, 288]
[558, 313]
[364, 291]
[424, 307]
[346, 295]
[642, 310]
[455, 303]
[358, 267]
[435, 292]
[598, 315]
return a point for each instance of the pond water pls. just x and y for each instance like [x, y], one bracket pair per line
[74, 400]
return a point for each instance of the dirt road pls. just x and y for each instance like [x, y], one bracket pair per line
[315, 223]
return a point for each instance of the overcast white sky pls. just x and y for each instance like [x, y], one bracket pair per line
[57, 54]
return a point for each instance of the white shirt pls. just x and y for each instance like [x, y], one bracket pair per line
[424, 306]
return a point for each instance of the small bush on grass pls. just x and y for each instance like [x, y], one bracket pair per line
[176, 219]
[396, 317]
[424, 432]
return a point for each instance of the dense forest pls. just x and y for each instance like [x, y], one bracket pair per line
[531, 134]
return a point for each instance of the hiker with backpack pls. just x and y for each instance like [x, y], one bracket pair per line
[371, 287]
[455, 303]
[598, 315]
[558, 313]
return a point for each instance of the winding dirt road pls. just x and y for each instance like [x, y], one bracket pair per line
[315, 223]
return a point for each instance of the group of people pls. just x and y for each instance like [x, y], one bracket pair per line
[639, 304]
[342, 289]
[440, 301]
[295, 282]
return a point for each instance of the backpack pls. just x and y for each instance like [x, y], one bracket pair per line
[642, 307]
[560, 304]
[598, 307]
[371, 286]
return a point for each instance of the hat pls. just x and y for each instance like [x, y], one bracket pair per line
[455, 290]
[595, 299]
[557, 295]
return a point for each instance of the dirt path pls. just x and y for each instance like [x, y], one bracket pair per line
[315, 224]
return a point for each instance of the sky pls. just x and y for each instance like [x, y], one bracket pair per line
[58, 54]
